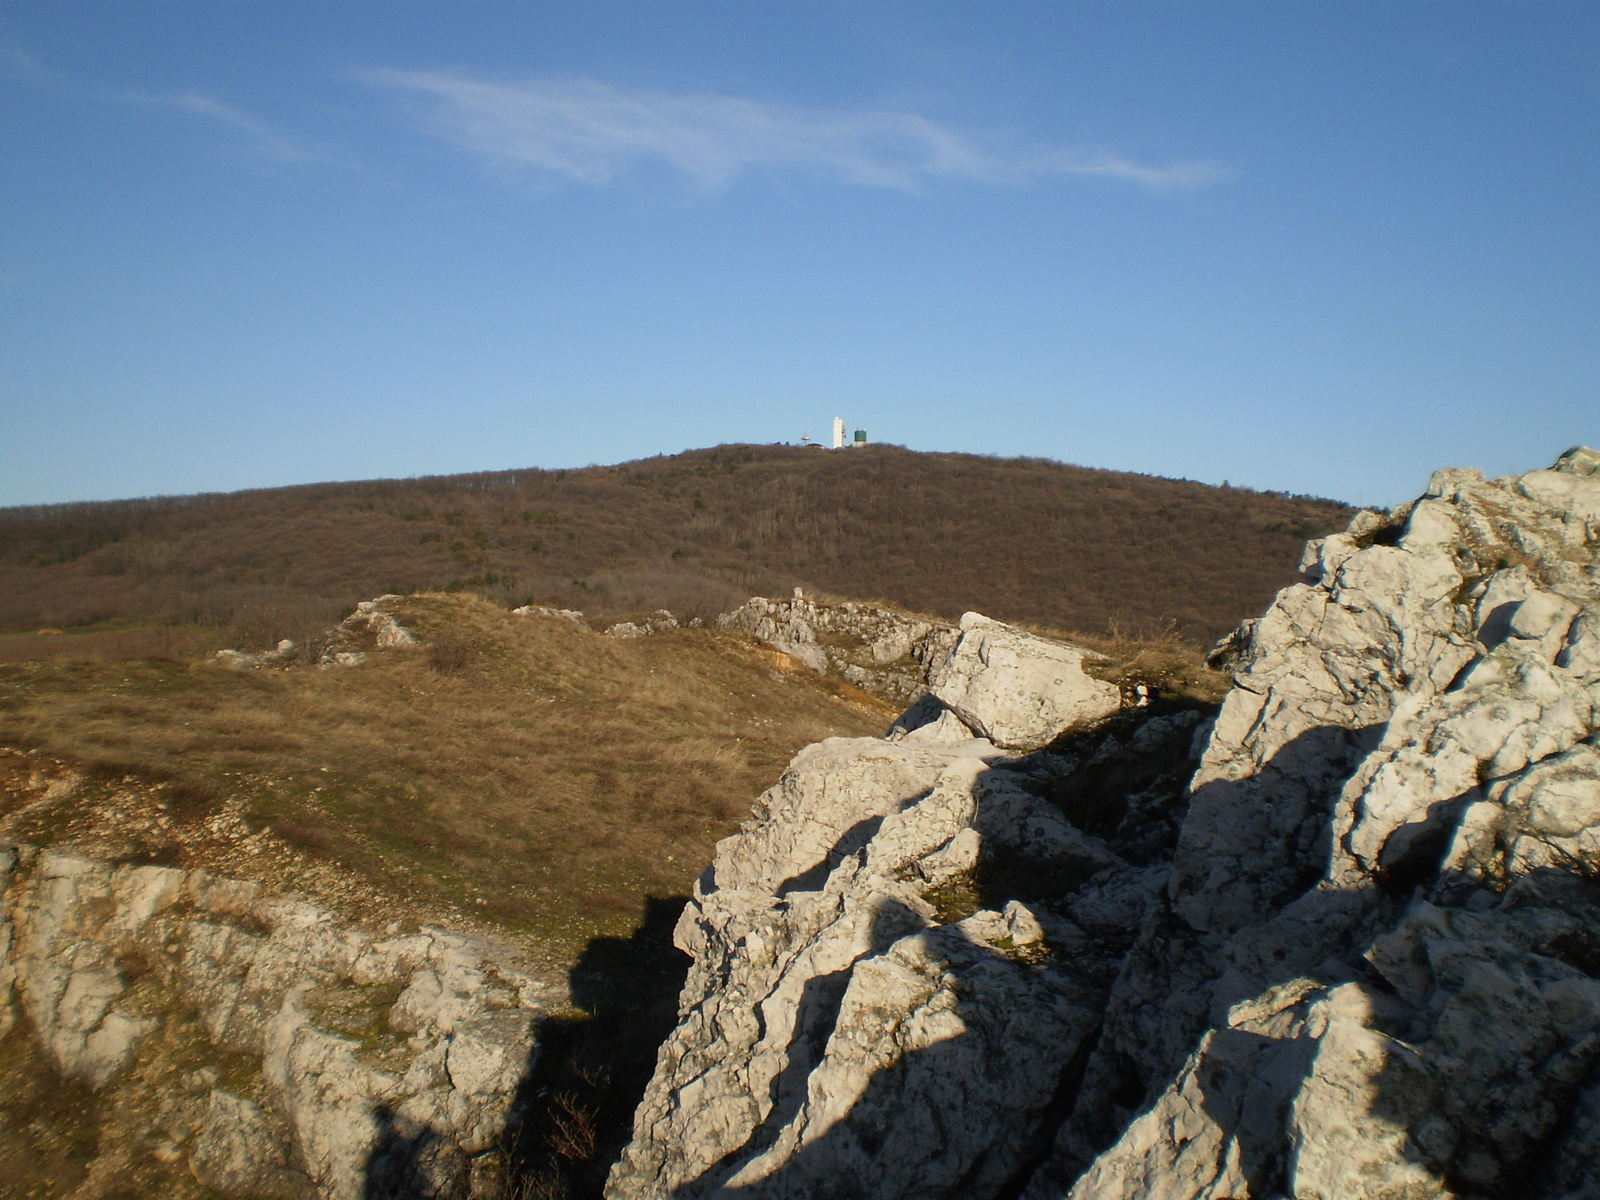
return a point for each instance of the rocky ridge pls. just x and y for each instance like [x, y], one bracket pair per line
[370, 627]
[273, 1050]
[1354, 954]
[874, 648]
[659, 621]
[846, 929]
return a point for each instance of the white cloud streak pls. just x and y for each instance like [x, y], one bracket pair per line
[260, 139]
[16, 64]
[588, 132]
[264, 141]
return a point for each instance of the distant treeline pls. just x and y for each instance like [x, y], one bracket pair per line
[1026, 540]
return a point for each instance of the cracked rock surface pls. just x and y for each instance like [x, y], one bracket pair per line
[1353, 952]
[348, 1051]
[874, 648]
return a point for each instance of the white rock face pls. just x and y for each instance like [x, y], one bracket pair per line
[370, 627]
[1356, 956]
[1017, 690]
[571, 615]
[69, 979]
[830, 1005]
[371, 616]
[274, 979]
[1383, 861]
[657, 622]
[240, 1151]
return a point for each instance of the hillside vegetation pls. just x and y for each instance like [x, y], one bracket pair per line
[1024, 540]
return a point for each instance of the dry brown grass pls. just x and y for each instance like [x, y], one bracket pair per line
[111, 644]
[543, 779]
[1167, 666]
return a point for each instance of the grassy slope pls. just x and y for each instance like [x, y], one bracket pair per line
[555, 789]
[548, 786]
[1023, 540]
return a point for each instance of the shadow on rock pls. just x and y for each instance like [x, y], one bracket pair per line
[574, 1106]
[415, 1165]
[828, 1140]
[1309, 1036]
[1424, 1034]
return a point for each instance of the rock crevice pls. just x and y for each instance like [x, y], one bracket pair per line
[1354, 953]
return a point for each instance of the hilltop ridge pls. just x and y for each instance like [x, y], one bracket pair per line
[1028, 540]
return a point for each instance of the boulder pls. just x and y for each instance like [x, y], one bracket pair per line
[1017, 690]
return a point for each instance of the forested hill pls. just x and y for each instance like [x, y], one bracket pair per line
[1024, 540]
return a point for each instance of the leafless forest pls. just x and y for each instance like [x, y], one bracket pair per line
[1025, 540]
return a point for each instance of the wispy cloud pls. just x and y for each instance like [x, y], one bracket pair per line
[17, 65]
[261, 138]
[588, 132]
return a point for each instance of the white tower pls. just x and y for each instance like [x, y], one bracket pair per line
[838, 433]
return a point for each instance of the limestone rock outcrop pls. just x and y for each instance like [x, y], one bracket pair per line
[874, 648]
[570, 615]
[371, 627]
[1012, 687]
[1356, 955]
[821, 964]
[847, 965]
[657, 622]
[372, 618]
[364, 1048]
[1384, 871]
[241, 660]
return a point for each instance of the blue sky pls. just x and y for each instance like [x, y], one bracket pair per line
[1315, 247]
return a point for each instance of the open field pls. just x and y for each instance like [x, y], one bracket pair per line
[1023, 540]
[540, 778]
